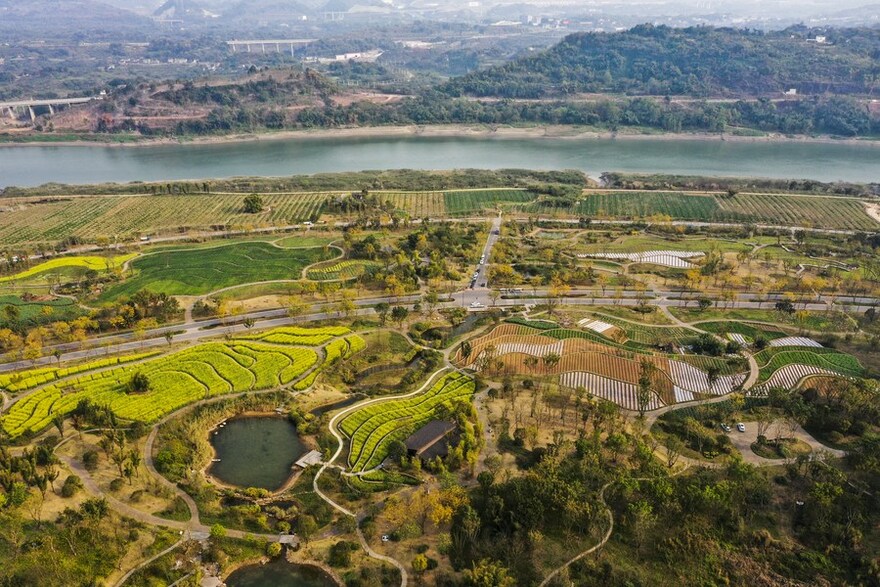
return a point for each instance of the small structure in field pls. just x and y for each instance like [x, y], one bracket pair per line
[432, 440]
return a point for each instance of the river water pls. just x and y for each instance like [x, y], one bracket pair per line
[35, 165]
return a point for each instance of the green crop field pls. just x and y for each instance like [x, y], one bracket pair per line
[825, 212]
[176, 379]
[473, 201]
[201, 271]
[751, 331]
[33, 312]
[373, 428]
[772, 359]
[345, 269]
[49, 220]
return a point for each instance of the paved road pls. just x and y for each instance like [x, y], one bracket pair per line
[483, 265]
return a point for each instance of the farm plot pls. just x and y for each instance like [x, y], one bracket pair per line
[788, 377]
[689, 378]
[194, 272]
[676, 205]
[463, 202]
[625, 395]
[750, 331]
[672, 259]
[31, 221]
[176, 379]
[373, 428]
[298, 335]
[417, 204]
[772, 359]
[70, 264]
[826, 212]
[24, 380]
[340, 270]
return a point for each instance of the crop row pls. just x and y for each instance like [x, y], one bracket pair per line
[176, 379]
[373, 428]
[773, 359]
[299, 335]
[341, 270]
[15, 382]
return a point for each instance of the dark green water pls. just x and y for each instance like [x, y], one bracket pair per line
[279, 573]
[256, 451]
[29, 166]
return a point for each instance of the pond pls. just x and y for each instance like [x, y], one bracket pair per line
[256, 451]
[279, 573]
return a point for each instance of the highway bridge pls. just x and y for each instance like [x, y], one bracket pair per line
[277, 44]
[11, 107]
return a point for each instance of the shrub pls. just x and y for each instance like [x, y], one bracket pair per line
[71, 485]
[90, 460]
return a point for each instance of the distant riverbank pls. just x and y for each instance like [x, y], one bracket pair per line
[431, 131]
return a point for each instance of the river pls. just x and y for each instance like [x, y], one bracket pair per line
[35, 165]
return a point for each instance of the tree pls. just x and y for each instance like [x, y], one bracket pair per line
[273, 549]
[704, 304]
[399, 314]
[253, 204]
[139, 383]
[646, 377]
[466, 349]
[488, 573]
[382, 310]
[419, 566]
[306, 526]
[248, 323]
[169, 337]
[218, 532]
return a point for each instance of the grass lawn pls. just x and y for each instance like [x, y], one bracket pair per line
[786, 448]
[197, 272]
[306, 241]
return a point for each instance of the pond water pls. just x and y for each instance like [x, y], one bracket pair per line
[256, 451]
[279, 573]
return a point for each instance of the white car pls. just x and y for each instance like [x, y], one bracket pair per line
[477, 305]
[741, 427]
[385, 538]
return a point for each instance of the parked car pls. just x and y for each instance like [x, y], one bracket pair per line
[725, 427]
[741, 427]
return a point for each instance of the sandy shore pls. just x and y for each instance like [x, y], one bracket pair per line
[452, 131]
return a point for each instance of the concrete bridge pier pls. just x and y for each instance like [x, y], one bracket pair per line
[11, 113]
[51, 109]
[31, 112]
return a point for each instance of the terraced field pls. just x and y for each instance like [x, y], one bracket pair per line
[604, 368]
[373, 428]
[340, 270]
[773, 359]
[460, 203]
[176, 379]
[194, 272]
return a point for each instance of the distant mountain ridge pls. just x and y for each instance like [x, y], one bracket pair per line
[700, 61]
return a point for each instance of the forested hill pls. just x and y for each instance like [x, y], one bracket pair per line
[658, 60]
